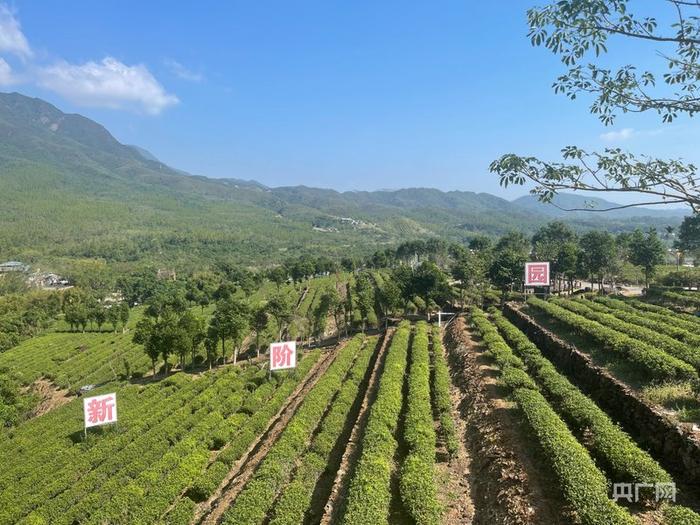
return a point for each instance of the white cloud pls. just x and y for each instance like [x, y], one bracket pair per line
[12, 40]
[180, 71]
[109, 83]
[6, 76]
[618, 136]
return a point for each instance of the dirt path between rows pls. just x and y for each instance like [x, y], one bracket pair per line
[211, 511]
[336, 500]
[453, 474]
[508, 485]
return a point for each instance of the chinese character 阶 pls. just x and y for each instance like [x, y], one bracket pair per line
[281, 356]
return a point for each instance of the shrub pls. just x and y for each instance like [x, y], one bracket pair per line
[441, 395]
[369, 494]
[607, 442]
[417, 480]
[656, 364]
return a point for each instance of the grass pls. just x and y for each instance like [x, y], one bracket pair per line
[678, 397]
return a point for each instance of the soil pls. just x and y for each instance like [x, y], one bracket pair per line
[211, 511]
[452, 474]
[336, 500]
[50, 396]
[509, 484]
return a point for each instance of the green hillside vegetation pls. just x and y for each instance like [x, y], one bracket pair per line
[70, 191]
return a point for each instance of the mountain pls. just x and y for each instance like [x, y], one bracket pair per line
[71, 190]
[567, 201]
[147, 155]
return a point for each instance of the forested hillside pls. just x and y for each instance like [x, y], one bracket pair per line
[70, 189]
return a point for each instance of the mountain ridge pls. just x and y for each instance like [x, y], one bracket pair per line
[73, 190]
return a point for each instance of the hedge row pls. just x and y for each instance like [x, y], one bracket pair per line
[677, 515]
[120, 463]
[369, 494]
[256, 499]
[417, 479]
[583, 485]
[295, 501]
[656, 364]
[164, 440]
[649, 307]
[625, 323]
[513, 372]
[614, 448]
[75, 471]
[670, 325]
[690, 300]
[71, 360]
[240, 431]
[441, 395]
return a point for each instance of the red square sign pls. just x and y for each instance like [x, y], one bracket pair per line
[537, 274]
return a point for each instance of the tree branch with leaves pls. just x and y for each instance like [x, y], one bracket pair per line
[579, 32]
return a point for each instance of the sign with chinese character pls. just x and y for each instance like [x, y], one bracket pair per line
[100, 410]
[283, 355]
[537, 274]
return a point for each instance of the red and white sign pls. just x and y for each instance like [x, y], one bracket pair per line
[100, 410]
[537, 274]
[283, 355]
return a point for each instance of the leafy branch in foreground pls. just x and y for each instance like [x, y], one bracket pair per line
[667, 181]
[574, 29]
[579, 32]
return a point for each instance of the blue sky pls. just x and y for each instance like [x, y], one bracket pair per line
[346, 95]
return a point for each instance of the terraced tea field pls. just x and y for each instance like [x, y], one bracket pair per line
[532, 414]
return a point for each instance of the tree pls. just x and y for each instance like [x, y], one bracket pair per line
[231, 320]
[507, 267]
[469, 268]
[124, 314]
[689, 235]
[281, 309]
[175, 340]
[567, 262]
[82, 317]
[646, 251]
[113, 316]
[364, 295]
[347, 264]
[326, 306]
[575, 30]
[259, 320]
[147, 335]
[99, 315]
[194, 328]
[598, 254]
[548, 243]
[210, 345]
[480, 243]
[389, 297]
[277, 275]
[432, 284]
